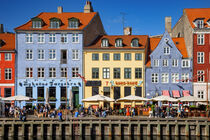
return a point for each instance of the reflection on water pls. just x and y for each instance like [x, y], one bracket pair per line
[109, 138]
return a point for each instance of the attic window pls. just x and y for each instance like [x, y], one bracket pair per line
[73, 23]
[135, 43]
[55, 23]
[200, 24]
[104, 42]
[118, 42]
[37, 22]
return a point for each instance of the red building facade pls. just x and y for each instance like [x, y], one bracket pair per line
[7, 64]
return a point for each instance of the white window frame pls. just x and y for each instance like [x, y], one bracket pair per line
[203, 75]
[118, 43]
[8, 56]
[52, 38]
[184, 77]
[106, 73]
[29, 72]
[64, 72]
[64, 36]
[166, 50]
[155, 77]
[40, 72]
[104, 43]
[200, 57]
[185, 63]
[54, 24]
[174, 77]
[156, 62]
[200, 24]
[36, 24]
[75, 54]
[165, 61]
[52, 54]
[175, 62]
[164, 78]
[29, 54]
[74, 71]
[52, 72]
[75, 38]
[29, 38]
[200, 39]
[200, 94]
[41, 38]
[41, 55]
[8, 73]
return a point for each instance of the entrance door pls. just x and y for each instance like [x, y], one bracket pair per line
[75, 91]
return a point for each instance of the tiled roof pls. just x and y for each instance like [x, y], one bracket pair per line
[84, 19]
[7, 41]
[193, 14]
[179, 42]
[143, 40]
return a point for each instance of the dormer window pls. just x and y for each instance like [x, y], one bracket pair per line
[73, 23]
[55, 23]
[105, 43]
[37, 22]
[118, 42]
[135, 43]
[200, 24]
[166, 50]
[208, 22]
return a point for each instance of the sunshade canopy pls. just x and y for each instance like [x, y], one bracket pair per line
[18, 98]
[191, 99]
[164, 98]
[97, 98]
[132, 98]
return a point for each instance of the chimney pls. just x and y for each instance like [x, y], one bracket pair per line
[88, 7]
[60, 9]
[168, 24]
[127, 31]
[1, 28]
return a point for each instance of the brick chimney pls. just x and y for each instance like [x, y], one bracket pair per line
[127, 31]
[60, 9]
[168, 24]
[88, 7]
[1, 28]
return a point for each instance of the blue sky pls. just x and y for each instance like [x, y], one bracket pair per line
[144, 16]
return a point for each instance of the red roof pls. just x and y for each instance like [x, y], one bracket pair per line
[179, 42]
[84, 19]
[7, 41]
[143, 41]
[193, 14]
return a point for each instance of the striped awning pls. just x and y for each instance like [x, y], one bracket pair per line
[165, 93]
[176, 93]
[186, 93]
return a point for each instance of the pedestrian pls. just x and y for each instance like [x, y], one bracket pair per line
[127, 111]
[133, 112]
[60, 115]
[150, 112]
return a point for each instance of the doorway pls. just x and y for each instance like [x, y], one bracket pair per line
[75, 91]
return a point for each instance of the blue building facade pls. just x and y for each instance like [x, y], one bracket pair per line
[169, 70]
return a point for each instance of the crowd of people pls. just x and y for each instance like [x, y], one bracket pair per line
[16, 112]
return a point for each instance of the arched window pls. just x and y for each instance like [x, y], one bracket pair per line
[135, 43]
[55, 23]
[73, 23]
[118, 42]
[104, 42]
[37, 22]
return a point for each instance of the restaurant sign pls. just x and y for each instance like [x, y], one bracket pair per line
[124, 83]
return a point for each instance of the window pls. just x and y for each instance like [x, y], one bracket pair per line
[64, 38]
[118, 43]
[7, 92]
[200, 57]
[138, 56]
[29, 72]
[52, 72]
[29, 38]
[175, 62]
[75, 71]
[127, 73]
[200, 74]
[127, 56]
[175, 78]
[63, 72]
[200, 94]
[63, 56]
[116, 93]
[54, 23]
[75, 38]
[40, 92]
[138, 73]
[107, 91]
[185, 77]
[106, 73]
[52, 92]
[200, 23]
[185, 63]
[36, 24]
[116, 73]
[164, 78]
[165, 63]
[95, 73]
[75, 54]
[127, 91]
[51, 38]
[116, 56]
[135, 43]
[8, 56]
[95, 56]
[95, 91]
[155, 78]
[104, 42]
[63, 92]
[29, 91]
[29, 54]
[156, 63]
[40, 54]
[200, 39]
[73, 23]
[41, 38]
[52, 55]
[8, 74]
[40, 72]
[105, 56]
[166, 50]
[138, 91]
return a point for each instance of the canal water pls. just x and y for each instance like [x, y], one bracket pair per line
[109, 138]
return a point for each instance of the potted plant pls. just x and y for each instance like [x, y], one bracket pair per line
[63, 98]
[40, 99]
[52, 99]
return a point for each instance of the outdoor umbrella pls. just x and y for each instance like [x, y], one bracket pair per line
[70, 98]
[163, 98]
[133, 99]
[191, 99]
[98, 98]
[19, 98]
[47, 96]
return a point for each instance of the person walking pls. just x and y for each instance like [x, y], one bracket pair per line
[127, 111]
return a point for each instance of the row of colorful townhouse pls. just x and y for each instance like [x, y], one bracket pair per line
[70, 57]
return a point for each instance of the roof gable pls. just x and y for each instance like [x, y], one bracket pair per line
[7, 41]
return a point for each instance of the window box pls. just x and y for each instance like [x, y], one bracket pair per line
[40, 99]
[63, 98]
[52, 99]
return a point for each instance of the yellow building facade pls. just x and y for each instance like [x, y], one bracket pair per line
[115, 70]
